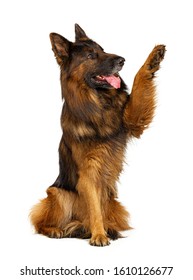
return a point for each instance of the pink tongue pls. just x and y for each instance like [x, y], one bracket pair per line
[113, 80]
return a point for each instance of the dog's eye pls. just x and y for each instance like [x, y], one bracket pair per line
[92, 55]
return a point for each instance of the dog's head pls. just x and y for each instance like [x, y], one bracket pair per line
[87, 60]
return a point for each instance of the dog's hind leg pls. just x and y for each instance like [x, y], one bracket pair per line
[52, 214]
[77, 229]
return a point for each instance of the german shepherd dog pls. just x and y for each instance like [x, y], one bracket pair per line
[98, 118]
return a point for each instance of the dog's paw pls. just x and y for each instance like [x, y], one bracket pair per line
[155, 57]
[99, 240]
[56, 233]
[52, 232]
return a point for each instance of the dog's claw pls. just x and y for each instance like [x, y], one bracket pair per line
[155, 57]
[99, 240]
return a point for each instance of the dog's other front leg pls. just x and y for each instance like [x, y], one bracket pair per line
[90, 189]
[140, 108]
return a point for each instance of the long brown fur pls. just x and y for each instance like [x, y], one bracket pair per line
[97, 122]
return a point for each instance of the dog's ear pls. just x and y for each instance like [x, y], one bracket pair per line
[60, 47]
[79, 33]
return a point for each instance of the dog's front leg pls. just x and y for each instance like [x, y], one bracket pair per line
[139, 110]
[89, 188]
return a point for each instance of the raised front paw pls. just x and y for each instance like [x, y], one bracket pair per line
[155, 57]
[99, 240]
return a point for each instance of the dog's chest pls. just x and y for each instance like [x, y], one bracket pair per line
[107, 156]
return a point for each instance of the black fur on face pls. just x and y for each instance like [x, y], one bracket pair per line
[100, 65]
[101, 69]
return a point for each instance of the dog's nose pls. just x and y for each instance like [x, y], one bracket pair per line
[120, 61]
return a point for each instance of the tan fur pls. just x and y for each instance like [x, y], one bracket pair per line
[96, 123]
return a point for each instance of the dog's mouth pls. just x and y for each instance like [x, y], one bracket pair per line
[112, 80]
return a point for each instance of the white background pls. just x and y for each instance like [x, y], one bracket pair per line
[157, 180]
